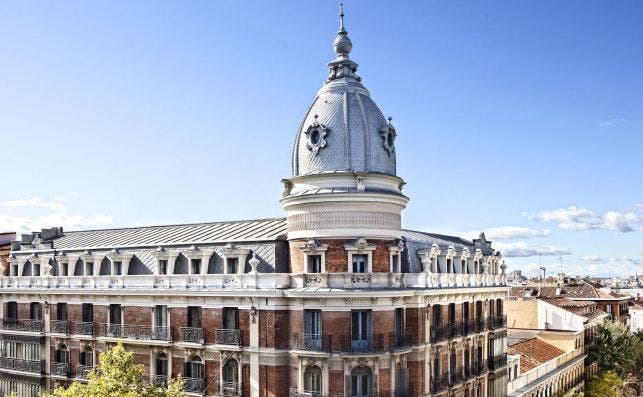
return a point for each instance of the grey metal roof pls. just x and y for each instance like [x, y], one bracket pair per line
[215, 232]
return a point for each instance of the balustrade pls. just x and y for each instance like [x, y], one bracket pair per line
[23, 325]
[312, 342]
[194, 385]
[232, 389]
[60, 369]
[135, 332]
[59, 326]
[84, 328]
[228, 337]
[192, 335]
[19, 364]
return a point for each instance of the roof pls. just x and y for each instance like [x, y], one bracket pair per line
[581, 290]
[568, 303]
[151, 236]
[534, 352]
[7, 238]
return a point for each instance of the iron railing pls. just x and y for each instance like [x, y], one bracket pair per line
[228, 337]
[59, 326]
[60, 369]
[19, 364]
[439, 383]
[497, 321]
[193, 385]
[456, 376]
[192, 335]
[439, 333]
[312, 342]
[232, 389]
[82, 371]
[481, 324]
[135, 332]
[372, 343]
[498, 361]
[159, 380]
[400, 341]
[23, 325]
[84, 328]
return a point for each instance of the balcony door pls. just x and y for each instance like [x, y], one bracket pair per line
[360, 330]
[312, 329]
[361, 382]
[230, 318]
[313, 381]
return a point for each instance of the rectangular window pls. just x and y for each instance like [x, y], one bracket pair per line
[115, 314]
[162, 267]
[160, 316]
[118, 268]
[61, 311]
[360, 263]
[89, 268]
[195, 266]
[314, 263]
[395, 265]
[12, 311]
[36, 269]
[450, 266]
[65, 269]
[360, 325]
[436, 368]
[230, 318]
[312, 322]
[88, 312]
[34, 311]
[437, 316]
[451, 313]
[464, 266]
[399, 324]
[194, 316]
[14, 270]
[161, 365]
[233, 264]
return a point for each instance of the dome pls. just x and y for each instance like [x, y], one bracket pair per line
[344, 130]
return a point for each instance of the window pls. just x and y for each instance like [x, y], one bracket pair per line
[161, 365]
[230, 318]
[89, 268]
[450, 265]
[608, 309]
[314, 263]
[35, 312]
[160, 316]
[464, 266]
[195, 266]
[194, 316]
[436, 367]
[451, 313]
[360, 263]
[437, 316]
[194, 368]
[86, 357]
[399, 326]
[162, 266]
[312, 380]
[395, 263]
[12, 311]
[232, 264]
[360, 329]
[452, 364]
[118, 268]
[88, 312]
[62, 355]
[65, 269]
[115, 314]
[361, 380]
[231, 378]
[61, 311]
[35, 269]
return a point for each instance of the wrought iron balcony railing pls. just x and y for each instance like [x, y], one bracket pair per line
[192, 335]
[456, 376]
[400, 341]
[23, 325]
[84, 328]
[439, 333]
[439, 383]
[82, 371]
[135, 332]
[312, 342]
[228, 337]
[232, 389]
[60, 369]
[159, 380]
[19, 364]
[194, 385]
[59, 327]
[372, 343]
[498, 361]
[479, 367]
[455, 330]
[497, 322]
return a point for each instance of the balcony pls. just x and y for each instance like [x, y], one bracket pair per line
[23, 325]
[456, 377]
[60, 369]
[194, 385]
[192, 335]
[140, 332]
[439, 383]
[400, 341]
[84, 328]
[312, 342]
[481, 324]
[82, 371]
[18, 364]
[496, 322]
[59, 327]
[439, 333]
[296, 393]
[159, 380]
[228, 337]
[232, 389]
[373, 343]
[455, 330]
[498, 361]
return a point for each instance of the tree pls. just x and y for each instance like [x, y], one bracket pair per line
[616, 349]
[117, 375]
[606, 384]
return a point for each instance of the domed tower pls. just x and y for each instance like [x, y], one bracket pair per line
[344, 183]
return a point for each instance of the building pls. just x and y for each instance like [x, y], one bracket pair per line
[5, 249]
[335, 299]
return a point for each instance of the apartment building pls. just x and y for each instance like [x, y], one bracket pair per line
[335, 299]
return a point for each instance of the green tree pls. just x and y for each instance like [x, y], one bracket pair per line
[616, 349]
[117, 375]
[606, 384]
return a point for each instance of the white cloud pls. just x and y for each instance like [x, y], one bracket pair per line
[522, 249]
[592, 265]
[21, 224]
[575, 219]
[38, 202]
[611, 122]
[509, 233]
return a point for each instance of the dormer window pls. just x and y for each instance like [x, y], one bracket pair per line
[395, 255]
[314, 257]
[360, 256]
[360, 263]
[316, 133]
[395, 263]
[233, 265]
[314, 263]
[35, 269]
[195, 266]
[162, 266]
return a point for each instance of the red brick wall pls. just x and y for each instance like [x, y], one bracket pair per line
[178, 319]
[337, 257]
[338, 325]
[336, 381]
[144, 360]
[212, 375]
[273, 380]
[177, 366]
[137, 315]
[74, 313]
[382, 257]
[416, 377]
[274, 328]
[385, 381]
[24, 312]
[415, 323]
[74, 357]
[211, 320]
[244, 326]
[245, 387]
[384, 323]
[297, 321]
[296, 256]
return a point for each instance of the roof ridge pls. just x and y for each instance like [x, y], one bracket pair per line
[176, 224]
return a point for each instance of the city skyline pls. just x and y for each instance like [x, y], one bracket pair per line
[525, 131]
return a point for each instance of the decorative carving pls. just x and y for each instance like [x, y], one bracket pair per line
[343, 220]
[388, 135]
[313, 278]
[287, 187]
[316, 134]
[361, 278]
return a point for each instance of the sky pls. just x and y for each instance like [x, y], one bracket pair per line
[520, 119]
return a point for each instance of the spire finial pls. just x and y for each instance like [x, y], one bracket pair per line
[341, 17]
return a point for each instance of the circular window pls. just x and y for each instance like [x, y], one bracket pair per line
[314, 137]
[390, 139]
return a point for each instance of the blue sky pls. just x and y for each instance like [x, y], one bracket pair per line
[524, 119]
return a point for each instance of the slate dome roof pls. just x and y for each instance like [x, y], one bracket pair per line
[344, 130]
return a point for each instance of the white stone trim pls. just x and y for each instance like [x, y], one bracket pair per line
[360, 247]
[313, 247]
[230, 251]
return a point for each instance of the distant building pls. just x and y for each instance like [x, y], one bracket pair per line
[515, 277]
[5, 249]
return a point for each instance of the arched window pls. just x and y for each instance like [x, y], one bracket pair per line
[230, 376]
[361, 382]
[86, 357]
[313, 380]
[160, 370]
[62, 354]
[194, 375]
